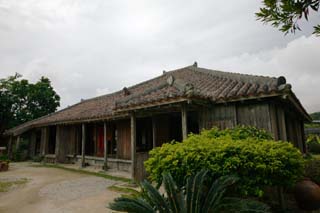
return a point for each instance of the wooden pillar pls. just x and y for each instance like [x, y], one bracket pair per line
[10, 148]
[133, 145]
[18, 142]
[184, 123]
[282, 124]
[303, 137]
[44, 141]
[274, 123]
[32, 148]
[105, 151]
[95, 144]
[282, 136]
[83, 145]
[154, 132]
[58, 144]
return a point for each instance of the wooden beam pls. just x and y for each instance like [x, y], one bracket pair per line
[133, 145]
[282, 124]
[83, 142]
[32, 147]
[10, 148]
[105, 166]
[184, 123]
[58, 144]
[18, 142]
[95, 142]
[274, 123]
[303, 138]
[154, 132]
[44, 140]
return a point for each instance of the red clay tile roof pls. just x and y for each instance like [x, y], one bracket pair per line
[185, 83]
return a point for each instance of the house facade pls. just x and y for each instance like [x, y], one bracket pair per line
[118, 130]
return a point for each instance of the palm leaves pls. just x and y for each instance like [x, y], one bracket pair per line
[195, 197]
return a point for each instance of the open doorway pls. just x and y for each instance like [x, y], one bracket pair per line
[144, 134]
[38, 142]
[193, 122]
[52, 140]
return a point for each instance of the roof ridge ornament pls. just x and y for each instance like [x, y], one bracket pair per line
[170, 80]
[126, 91]
[195, 64]
[281, 80]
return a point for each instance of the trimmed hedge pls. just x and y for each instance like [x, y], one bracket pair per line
[244, 151]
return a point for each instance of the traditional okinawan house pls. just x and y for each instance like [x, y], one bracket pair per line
[117, 130]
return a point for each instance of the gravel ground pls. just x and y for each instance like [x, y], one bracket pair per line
[75, 189]
[53, 190]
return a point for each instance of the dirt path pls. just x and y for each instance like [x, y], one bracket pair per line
[55, 190]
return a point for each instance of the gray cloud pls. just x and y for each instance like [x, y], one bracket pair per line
[297, 61]
[88, 48]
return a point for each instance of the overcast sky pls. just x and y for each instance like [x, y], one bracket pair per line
[93, 47]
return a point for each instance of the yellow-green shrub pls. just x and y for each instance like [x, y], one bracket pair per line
[257, 161]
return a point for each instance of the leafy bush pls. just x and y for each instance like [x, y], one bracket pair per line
[243, 151]
[313, 144]
[312, 169]
[38, 158]
[198, 195]
[4, 157]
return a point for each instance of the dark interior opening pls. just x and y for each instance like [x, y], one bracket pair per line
[89, 144]
[112, 137]
[52, 140]
[193, 122]
[78, 143]
[100, 140]
[144, 134]
[175, 127]
[38, 142]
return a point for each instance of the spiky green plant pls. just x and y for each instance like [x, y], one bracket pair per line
[199, 195]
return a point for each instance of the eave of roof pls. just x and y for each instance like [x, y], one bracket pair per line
[173, 86]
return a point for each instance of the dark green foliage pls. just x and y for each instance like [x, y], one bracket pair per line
[312, 125]
[243, 151]
[200, 194]
[312, 170]
[315, 116]
[4, 157]
[38, 158]
[285, 14]
[21, 101]
[313, 144]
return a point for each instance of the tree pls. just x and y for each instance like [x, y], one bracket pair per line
[21, 101]
[285, 14]
[315, 116]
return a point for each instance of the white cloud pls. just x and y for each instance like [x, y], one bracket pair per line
[90, 47]
[297, 61]
[102, 91]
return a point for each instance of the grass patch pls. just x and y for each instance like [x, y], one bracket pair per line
[312, 125]
[316, 156]
[123, 189]
[110, 177]
[6, 185]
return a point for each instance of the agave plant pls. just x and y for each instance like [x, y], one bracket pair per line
[194, 197]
